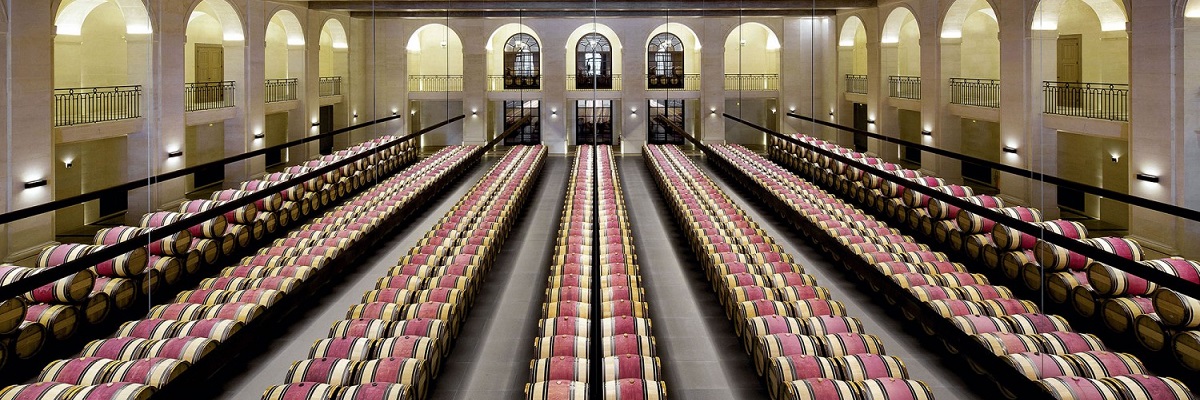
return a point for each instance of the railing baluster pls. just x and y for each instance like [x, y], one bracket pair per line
[74, 106]
[1108, 101]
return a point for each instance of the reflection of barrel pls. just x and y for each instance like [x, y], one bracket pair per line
[61, 321]
[211, 228]
[70, 290]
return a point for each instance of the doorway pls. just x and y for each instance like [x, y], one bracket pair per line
[1070, 69]
[325, 125]
[210, 68]
[529, 131]
[860, 123]
[662, 132]
[593, 124]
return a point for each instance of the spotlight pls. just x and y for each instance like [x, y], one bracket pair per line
[317, 123]
[35, 183]
[1142, 176]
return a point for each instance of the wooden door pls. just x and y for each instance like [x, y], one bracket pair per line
[210, 67]
[1070, 69]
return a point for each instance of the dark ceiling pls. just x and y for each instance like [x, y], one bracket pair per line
[582, 8]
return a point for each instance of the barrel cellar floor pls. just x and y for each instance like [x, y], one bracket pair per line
[924, 362]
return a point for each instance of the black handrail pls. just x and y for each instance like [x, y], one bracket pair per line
[85, 197]
[1169, 281]
[51, 275]
[1171, 209]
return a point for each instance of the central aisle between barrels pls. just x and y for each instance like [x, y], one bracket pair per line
[491, 356]
[922, 362]
[293, 342]
[702, 357]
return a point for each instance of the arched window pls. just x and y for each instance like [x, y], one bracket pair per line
[665, 62]
[593, 62]
[522, 62]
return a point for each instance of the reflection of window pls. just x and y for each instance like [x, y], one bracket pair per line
[523, 65]
[592, 63]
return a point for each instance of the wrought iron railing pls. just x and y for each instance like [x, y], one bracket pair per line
[435, 83]
[904, 87]
[975, 92]
[684, 82]
[281, 90]
[856, 84]
[1109, 101]
[752, 82]
[598, 82]
[74, 106]
[202, 96]
[514, 82]
[331, 86]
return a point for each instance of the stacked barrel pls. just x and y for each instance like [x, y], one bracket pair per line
[147, 354]
[801, 340]
[629, 363]
[1041, 347]
[391, 345]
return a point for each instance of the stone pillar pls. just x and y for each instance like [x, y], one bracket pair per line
[141, 147]
[30, 146]
[554, 88]
[946, 127]
[1153, 131]
[301, 118]
[712, 81]
[633, 92]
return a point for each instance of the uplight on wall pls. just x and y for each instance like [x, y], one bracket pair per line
[927, 132]
[871, 121]
[1010, 150]
[35, 183]
[176, 153]
[259, 135]
[316, 123]
[1142, 176]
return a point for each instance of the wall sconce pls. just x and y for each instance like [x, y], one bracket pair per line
[633, 111]
[831, 113]
[712, 111]
[175, 153]
[1010, 149]
[1142, 176]
[927, 132]
[35, 183]
[773, 110]
[474, 111]
[871, 121]
[355, 115]
[68, 164]
[316, 123]
[1116, 158]
[259, 135]
[553, 111]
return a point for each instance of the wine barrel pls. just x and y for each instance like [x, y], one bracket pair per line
[123, 348]
[155, 372]
[1146, 387]
[1111, 282]
[1102, 364]
[405, 371]
[885, 389]
[1073, 388]
[785, 370]
[1010, 239]
[150, 329]
[79, 371]
[628, 344]
[555, 390]
[409, 346]
[373, 391]
[334, 371]
[61, 321]
[1187, 349]
[27, 341]
[121, 291]
[770, 347]
[1119, 313]
[12, 313]
[215, 329]
[1037, 366]
[1061, 343]
[96, 307]
[1083, 298]
[1013, 263]
[953, 308]
[860, 367]
[635, 389]
[1177, 310]
[559, 368]
[70, 290]
[631, 367]
[817, 389]
[213, 228]
[241, 312]
[170, 269]
[208, 249]
[350, 348]
[42, 390]
[1002, 307]
[1151, 332]
[1033, 324]
[845, 344]
[296, 391]
[977, 324]
[1003, 343]
[561, 346]
[608, 326]
[971, 223]
[116, 390]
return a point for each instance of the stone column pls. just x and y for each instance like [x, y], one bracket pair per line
[30, 148]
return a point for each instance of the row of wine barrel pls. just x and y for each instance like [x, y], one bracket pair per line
[154, 351]
[801, 340]
[1015, 330]
[86, 298]
[629, 363]
[397, 337]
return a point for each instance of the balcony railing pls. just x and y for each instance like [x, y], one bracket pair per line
[281, 90]
[1109, 101]
[202, 96]
[598, 82]
[752, 82]
[435, 83]
[904, 87]
[975, 92]
[686, 82]
[514, 82]
[856, 84]
[88, 105]
[331, 86]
